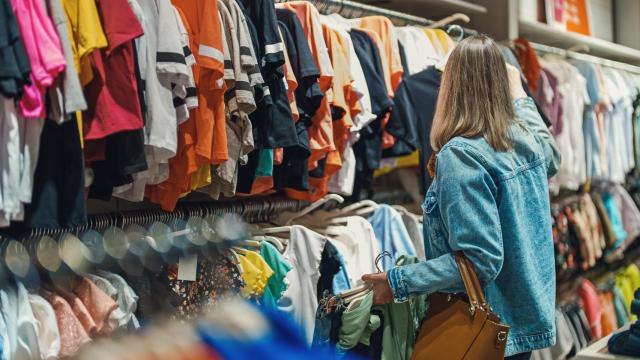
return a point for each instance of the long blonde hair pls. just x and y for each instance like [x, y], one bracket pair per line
[474, 98]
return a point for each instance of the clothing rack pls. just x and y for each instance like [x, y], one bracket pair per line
[252, 210]
[585, 57]
[352, 9]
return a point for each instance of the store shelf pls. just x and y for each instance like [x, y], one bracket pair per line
[547, 35]
[598, 350]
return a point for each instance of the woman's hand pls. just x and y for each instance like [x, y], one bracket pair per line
[515, 83]
[382, 293]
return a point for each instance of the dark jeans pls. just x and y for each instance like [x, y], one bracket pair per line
[521, 356]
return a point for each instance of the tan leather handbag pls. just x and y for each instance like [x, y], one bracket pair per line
[461, 327]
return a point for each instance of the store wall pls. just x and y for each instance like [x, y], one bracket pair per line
[627, 29]
[601, 14]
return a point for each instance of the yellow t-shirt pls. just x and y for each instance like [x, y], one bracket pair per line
[85, 33]
[85, 36]
[255, 273]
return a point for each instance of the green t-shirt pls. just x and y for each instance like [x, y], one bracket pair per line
[280, 266]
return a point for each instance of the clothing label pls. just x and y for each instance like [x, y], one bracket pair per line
[187, 267]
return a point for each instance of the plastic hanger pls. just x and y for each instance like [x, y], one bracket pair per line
[449, 19]
[288, 218]
[271, 240]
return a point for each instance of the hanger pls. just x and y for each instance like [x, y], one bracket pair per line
[271, 240]
[449, 19]
[582, 48]
[287, 218]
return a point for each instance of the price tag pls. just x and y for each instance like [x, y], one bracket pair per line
[187, 267]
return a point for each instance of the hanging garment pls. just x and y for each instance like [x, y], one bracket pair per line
[300, 299]
[392, 235]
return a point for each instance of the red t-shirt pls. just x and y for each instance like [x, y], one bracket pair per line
[112, 95]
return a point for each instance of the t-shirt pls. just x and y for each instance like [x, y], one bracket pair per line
[209, 119]
[67, 96]
[15, 63]
[22, 326]
[384, 28]
[368, 149]
[126, 298]
[412, 116]
[46, 327]
[292, 172]
[72, 333]
[419, 51]
[239, 100]
[304, 252]
[86, 34]
[163, 67]
[321, 129]
[343, 102]
[195, 134]
[280, 266]
[358, 246]
[43, 48]
[111, 95]
[391, 234]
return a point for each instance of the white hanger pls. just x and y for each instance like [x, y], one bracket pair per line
[449, 19]
[287, 218]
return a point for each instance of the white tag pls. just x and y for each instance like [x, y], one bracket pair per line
[187, 267]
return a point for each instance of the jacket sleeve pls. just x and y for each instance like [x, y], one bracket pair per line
[527, 112]
[467, 202]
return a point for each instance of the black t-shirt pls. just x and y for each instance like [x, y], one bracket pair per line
[308, 93]
[14, 63]
[293, 172]
[58, 182]
[411, 118]
[329, 267]
[124, 156]
[369, 58]
[262, 15]
[368, 150]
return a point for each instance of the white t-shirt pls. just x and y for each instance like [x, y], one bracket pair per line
[420, 52]
[157, 52]
[358, 246]
[300, 300]
[573, 87]
[22, 328]
[47, 327]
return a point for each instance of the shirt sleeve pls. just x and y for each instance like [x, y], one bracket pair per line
[120, 23]
[402, 122]
[527, 112]
[467, 205]
[170, 61]
[210, 39]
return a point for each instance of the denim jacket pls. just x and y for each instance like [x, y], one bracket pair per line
[494, 206]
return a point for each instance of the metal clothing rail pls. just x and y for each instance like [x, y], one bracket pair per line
[252, 210]
[352, 9]
[585, 57]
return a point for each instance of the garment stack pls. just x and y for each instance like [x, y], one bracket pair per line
[594, 115]
[593, 310]
[595, 226]
[55, 321]
[293, 268]
[139, 99]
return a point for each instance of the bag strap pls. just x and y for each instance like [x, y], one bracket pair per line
[471, 283]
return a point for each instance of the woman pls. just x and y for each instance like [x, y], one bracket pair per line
[489, 198]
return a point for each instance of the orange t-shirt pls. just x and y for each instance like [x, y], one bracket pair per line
[211, 138]
[384, 28]
[196, 144]
[321, 129]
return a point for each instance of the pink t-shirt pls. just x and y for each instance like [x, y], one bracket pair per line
[44, 50]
